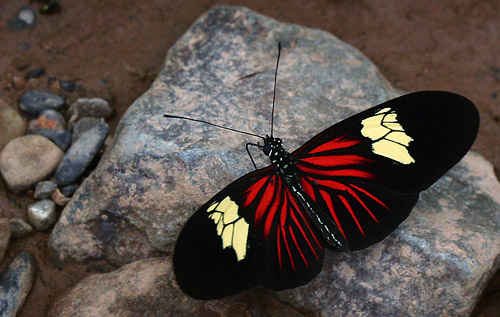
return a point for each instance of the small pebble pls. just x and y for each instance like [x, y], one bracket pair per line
[48, 122]
[36, 73]
[88, 107]
[44, 189]
[25, 18]
[83, 125]
[35, 101]
[18, 82]
[69, 189]
[16, 282]
[59, 198]
[42, 214]
[27, 160]
[12, 124]
[4, 236]
[62, 139]
[80, 155]
[67, 85]
[20, 228]
[27, 15]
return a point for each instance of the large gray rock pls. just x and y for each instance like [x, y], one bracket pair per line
[159, 171]
[148, 288]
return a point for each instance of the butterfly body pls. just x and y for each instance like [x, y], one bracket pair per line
[284, 166]
[346, 189]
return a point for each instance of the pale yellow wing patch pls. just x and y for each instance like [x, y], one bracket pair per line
[232, 228]
[390, 139]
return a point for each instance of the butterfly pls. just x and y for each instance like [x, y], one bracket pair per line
[345, 189]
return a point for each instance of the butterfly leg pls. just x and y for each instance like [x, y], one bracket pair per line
[249, 154]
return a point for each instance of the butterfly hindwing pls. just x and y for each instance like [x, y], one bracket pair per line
[252, 232]
[368, 170]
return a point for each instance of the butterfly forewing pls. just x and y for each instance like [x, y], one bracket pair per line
[367, 170]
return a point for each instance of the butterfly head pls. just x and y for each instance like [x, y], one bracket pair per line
[271, 144]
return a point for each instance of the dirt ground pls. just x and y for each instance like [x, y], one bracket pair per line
[114, 49]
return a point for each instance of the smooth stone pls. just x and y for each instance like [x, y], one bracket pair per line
[42, 214]
[44, 189]
[27, 15]
[18, 82]
[148, 288]
[62, 139]
[80, 155]
[47, 123]
[25, 18]
[35, 73]
[60, 199]
[27, 160]
[15, 283]
[35, 101]
[159, 171]
[69, 189]
[4, 236]
[67, 85]
[83, 125]
[20, 228]
[88, 107]
[12, 124]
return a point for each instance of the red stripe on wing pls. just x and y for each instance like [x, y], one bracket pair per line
[337, 172]
[349, 208]
[328, 200]
[335, 144]
[295, 205]
[336, 160]
[253, 190]
[297, 245]
[342, 187]
[272, 211]
[370, 195]
[283, 233]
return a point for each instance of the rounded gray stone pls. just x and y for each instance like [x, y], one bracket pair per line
[35, 101]
[20, 228]
[42, 214]
[47, 123]
[27, 160]
[44, 189]
[87, 107]
[15, 283]
[80, 155]
[83, 125]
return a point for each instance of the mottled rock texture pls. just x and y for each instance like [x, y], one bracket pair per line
[148, 288]
[159, 171]
[15, 283]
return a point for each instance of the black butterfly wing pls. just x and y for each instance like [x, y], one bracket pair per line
[366, 172]
[252, 232]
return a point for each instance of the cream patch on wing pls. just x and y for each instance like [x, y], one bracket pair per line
[232, 228]
[390, 139]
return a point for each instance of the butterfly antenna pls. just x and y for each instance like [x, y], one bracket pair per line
[274, 93]
[213, 124]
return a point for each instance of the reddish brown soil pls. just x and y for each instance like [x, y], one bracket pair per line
[113, 49]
